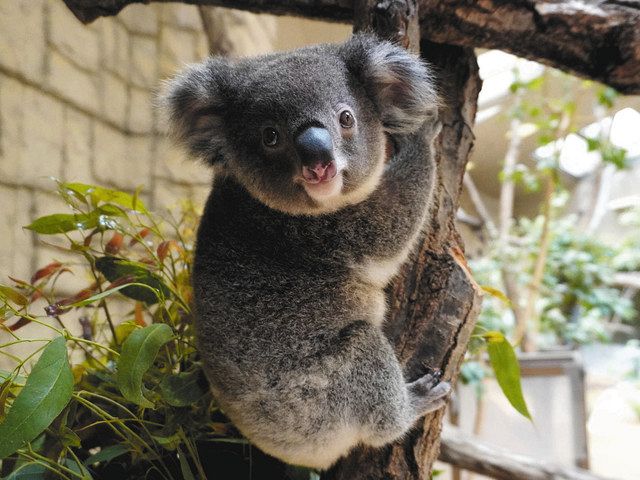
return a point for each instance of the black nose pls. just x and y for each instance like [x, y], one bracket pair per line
[314, 146]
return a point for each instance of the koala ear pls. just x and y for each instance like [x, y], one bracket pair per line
[400, 83]
[195, 101]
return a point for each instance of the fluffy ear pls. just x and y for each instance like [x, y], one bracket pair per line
[400, 84]
[196, 101]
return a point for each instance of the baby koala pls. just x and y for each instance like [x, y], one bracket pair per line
[324, 175]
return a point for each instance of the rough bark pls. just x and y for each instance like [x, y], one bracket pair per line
[597, 39]
[473, 455]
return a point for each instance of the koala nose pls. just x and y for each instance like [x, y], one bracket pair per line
[315, 147]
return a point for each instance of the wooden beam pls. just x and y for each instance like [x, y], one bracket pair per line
[472, 454]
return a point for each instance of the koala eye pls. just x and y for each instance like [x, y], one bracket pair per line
[270, 137]
[346, 119]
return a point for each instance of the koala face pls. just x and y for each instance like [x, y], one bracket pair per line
[304, 132]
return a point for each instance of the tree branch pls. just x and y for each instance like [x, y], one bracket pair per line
[471, 454]
[597, 39]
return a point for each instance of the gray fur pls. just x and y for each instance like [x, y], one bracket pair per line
[288, 288]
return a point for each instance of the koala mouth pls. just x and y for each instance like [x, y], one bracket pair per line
[322, 182]
[319, 173]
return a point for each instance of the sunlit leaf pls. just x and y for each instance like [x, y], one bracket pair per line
[139, 351]
[114, 268]
[165, 247]
[494, 292]
[62, 223]
[45, 394]
[507, 370]
[107, 195]
[12, 294]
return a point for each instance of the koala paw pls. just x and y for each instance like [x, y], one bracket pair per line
[428, 393]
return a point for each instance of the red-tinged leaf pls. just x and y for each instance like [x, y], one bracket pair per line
[19, 324]
[122, 281]
[165, 247]
[115, 244]
[36, 295]
[141, 234]
[88, 238]
[148, 261]
[46, 271]
[139, 315]
[60, 307]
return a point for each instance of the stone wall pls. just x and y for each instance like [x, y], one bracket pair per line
[77, 103]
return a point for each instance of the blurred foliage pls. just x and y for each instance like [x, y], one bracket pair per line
[577, 293]
[575, 296]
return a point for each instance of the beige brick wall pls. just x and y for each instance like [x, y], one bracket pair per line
[76, 103]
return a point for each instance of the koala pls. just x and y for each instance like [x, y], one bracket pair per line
[323, 178]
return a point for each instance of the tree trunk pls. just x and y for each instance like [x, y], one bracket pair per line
[434, 302]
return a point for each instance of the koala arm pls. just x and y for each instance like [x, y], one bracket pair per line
[386, 224]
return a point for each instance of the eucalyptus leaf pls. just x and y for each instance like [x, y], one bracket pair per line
[505, 365]
[12, 294]
[114, 269]
[499, 294]
[63, 222]
[28, 471]
[106, 454]
[181, 389]
[107, 195]
[45, 394]
[139, 351]
[185, 468]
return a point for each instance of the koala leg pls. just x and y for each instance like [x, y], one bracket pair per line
[391, 406]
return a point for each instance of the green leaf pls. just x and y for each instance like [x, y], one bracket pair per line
[607, 96]
[494, 292]
[170, 443]
[106, 454]
[117, 268]
[139, 351]
[62, 223]
[182, 389]
[593, 144]
[28, 471]
[187, 474]
[45, 394]
[505, 365]
[12, 294]
[107, 195]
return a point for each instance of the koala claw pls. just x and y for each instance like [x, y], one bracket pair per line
[428, 393]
